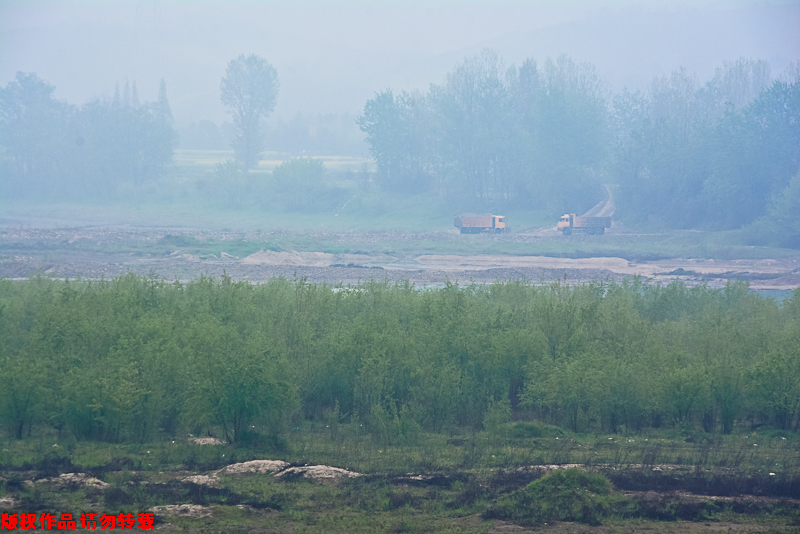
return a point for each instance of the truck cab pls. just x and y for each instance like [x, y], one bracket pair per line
[565, 223]
[498, 223]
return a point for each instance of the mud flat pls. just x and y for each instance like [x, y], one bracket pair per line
[184, 255]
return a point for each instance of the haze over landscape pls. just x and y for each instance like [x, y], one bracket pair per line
[400, 266]
[333, 56]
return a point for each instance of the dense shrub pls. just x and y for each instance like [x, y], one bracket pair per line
[561, 495]
[133, 358]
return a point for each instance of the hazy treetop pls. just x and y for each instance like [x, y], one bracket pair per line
[332, 56]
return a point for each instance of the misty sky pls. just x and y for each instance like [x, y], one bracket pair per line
[331, 56]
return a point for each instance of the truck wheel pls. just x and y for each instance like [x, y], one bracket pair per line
[498, 230]
[567, 231]
[602, 231]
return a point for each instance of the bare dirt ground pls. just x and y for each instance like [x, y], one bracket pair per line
[108, 252]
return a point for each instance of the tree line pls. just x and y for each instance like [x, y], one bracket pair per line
[721, 155]
[135, 358]
[58, 150]
[491, 134]
[54, 149]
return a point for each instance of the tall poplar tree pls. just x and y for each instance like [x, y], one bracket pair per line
[249, 90]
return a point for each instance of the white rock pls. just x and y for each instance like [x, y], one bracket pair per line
[319, 472]
[255, 466]
[185, 510]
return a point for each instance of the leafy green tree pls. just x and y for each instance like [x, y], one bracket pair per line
[474, 126]
[494, 136]
[669, 162]
[232, 182]
[775, 382]
[299, 180]
[164, 138]
[630, 159]
[497, 415]
[570, 135]
[435, 394]
[781, 224]
[235, 381]
[53, 148]
[249, 90]
[35, 131]
[737, 83]
[21, 403]
[125, 143]
[399, 135]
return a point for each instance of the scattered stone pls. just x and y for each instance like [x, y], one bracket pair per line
[319, 472]
[600, 467]
[183, 510]
[421, 478]
[255, 466]
[72, 478]
[203, 480]
[8, 502]
[550, 467]
[167, 526]
[207, 441]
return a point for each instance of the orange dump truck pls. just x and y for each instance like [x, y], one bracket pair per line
[591, 225]
[469, 223]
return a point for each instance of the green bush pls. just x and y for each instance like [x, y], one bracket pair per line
[534, 430]
[562, 495]
[299, 184]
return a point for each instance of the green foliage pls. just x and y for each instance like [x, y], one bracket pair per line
[719, 155]
[302, 174]
[249, 90]
[534, 430]
[131, 359]
[561, 495]
[230, 172]
[497, 415]
[51, 148]
[299, 184]
[489, 136]
[781, 224]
